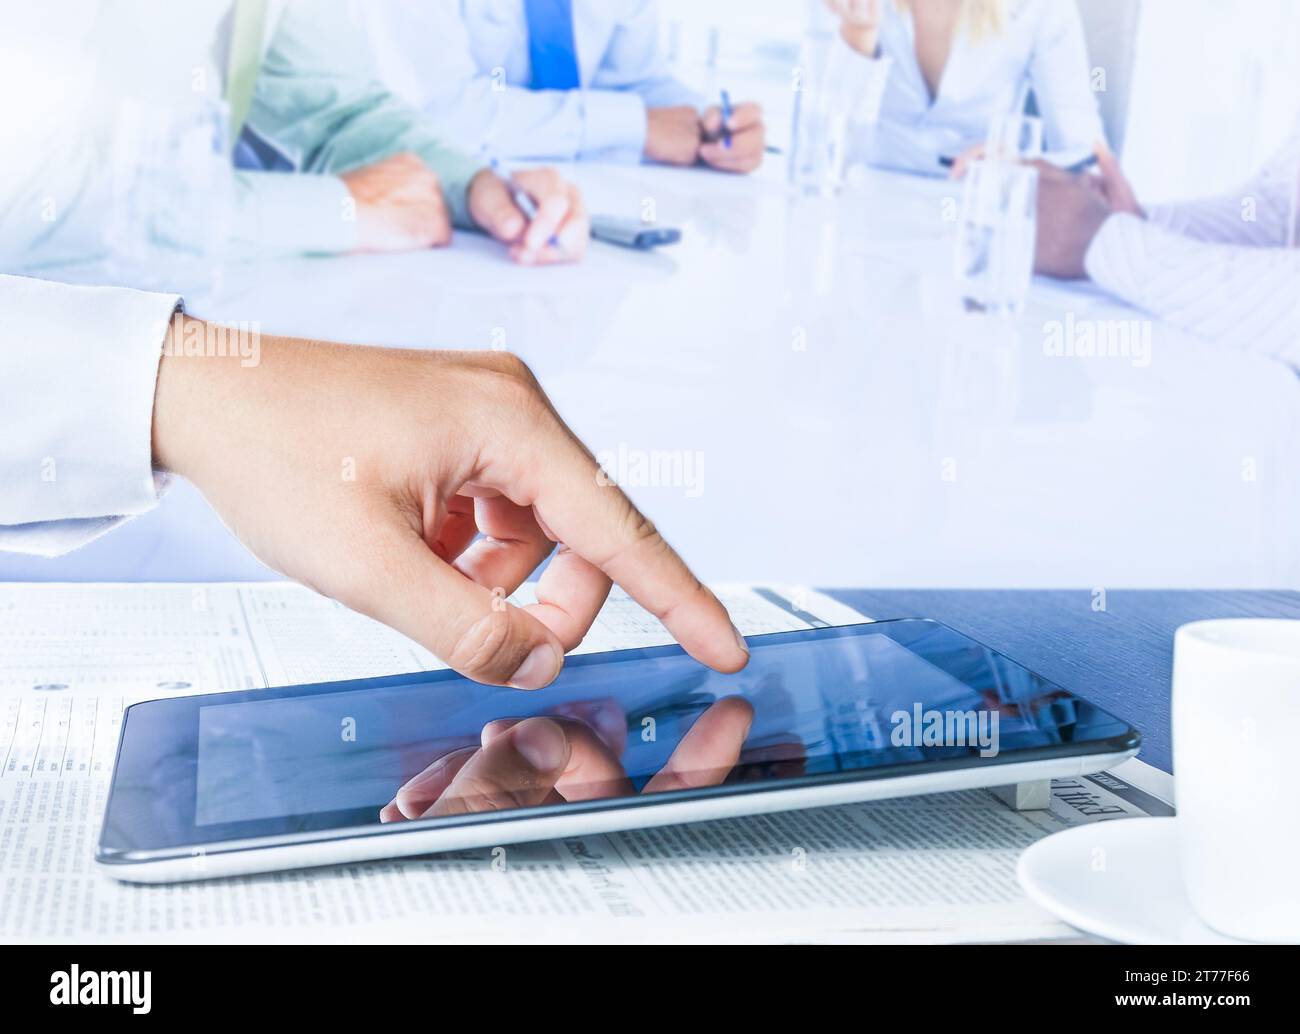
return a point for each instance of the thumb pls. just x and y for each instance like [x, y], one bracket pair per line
[1113, 181]
[1107, 165]
[474, 630]
[495, 211]
[711, 122]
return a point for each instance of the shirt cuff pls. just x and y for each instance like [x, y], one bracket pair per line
[85, 361]
[612, 122]
[294, 214]
[455, 173]
[1118, 254]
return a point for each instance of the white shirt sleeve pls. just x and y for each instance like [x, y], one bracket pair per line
[79, 366]
[1058, 73]
[1244, 297]
[1262, 213]
[634, 61]
[427, 54]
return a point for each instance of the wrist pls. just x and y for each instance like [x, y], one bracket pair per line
[204, 372]
[473, 192]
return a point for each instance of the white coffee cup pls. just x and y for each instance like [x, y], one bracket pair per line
[1236, 728]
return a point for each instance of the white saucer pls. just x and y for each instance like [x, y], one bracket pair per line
[1118, 879]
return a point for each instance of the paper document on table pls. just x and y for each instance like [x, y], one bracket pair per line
[72, 657]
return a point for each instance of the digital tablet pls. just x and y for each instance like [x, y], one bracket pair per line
[232, 783]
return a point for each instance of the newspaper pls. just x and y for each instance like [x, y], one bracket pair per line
[72, 657]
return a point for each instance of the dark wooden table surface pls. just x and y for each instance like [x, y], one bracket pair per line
[1120, 658]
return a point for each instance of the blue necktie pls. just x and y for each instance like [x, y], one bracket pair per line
[551, 45]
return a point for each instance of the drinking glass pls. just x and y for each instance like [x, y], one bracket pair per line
[996, 236]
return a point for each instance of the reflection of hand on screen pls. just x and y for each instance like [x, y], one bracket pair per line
[552, 760]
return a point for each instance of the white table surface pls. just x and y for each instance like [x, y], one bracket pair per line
[855, 427]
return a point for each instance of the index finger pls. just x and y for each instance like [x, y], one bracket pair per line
[581, 506]
[516, 769]
[553, 202]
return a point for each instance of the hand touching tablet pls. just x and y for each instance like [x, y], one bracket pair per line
[368, 474]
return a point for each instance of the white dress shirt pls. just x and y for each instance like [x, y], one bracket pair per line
[465, 64]
[79, 366]
[1041, 46]
[1225, 268]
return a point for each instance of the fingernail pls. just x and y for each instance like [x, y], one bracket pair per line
[542, 745]
[497, 728]
[740, 639]
[539, 668]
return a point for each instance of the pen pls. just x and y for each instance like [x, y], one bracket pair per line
[726, 118]
[520, 197]
[1080, 166]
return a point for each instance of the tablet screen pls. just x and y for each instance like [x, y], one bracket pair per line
[810, 706]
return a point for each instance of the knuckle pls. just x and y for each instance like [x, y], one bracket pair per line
[638, 535]
[514, 375]
[488, 650]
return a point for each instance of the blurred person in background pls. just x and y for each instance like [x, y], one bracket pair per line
[328, 160]
[562, 80]
[945, 69]
[1226, 268]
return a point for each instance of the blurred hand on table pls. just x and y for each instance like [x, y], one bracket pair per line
[1072, 208]
[561, 231]
[400, 207]
[743, 144]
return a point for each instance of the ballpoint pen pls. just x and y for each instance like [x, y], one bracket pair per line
[947, 161]
[522, 199]
[726, 119]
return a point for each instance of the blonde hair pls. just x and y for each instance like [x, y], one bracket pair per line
[980, 18]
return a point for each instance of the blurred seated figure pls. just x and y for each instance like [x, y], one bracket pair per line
[943, 70]
[1226, 268]
[561, 80]
[279, 91]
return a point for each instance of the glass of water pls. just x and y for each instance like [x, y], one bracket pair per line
[818, 152]
[996, 236]
[1015, 137]
[823, 112]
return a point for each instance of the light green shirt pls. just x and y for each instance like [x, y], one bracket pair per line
[318, 102]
